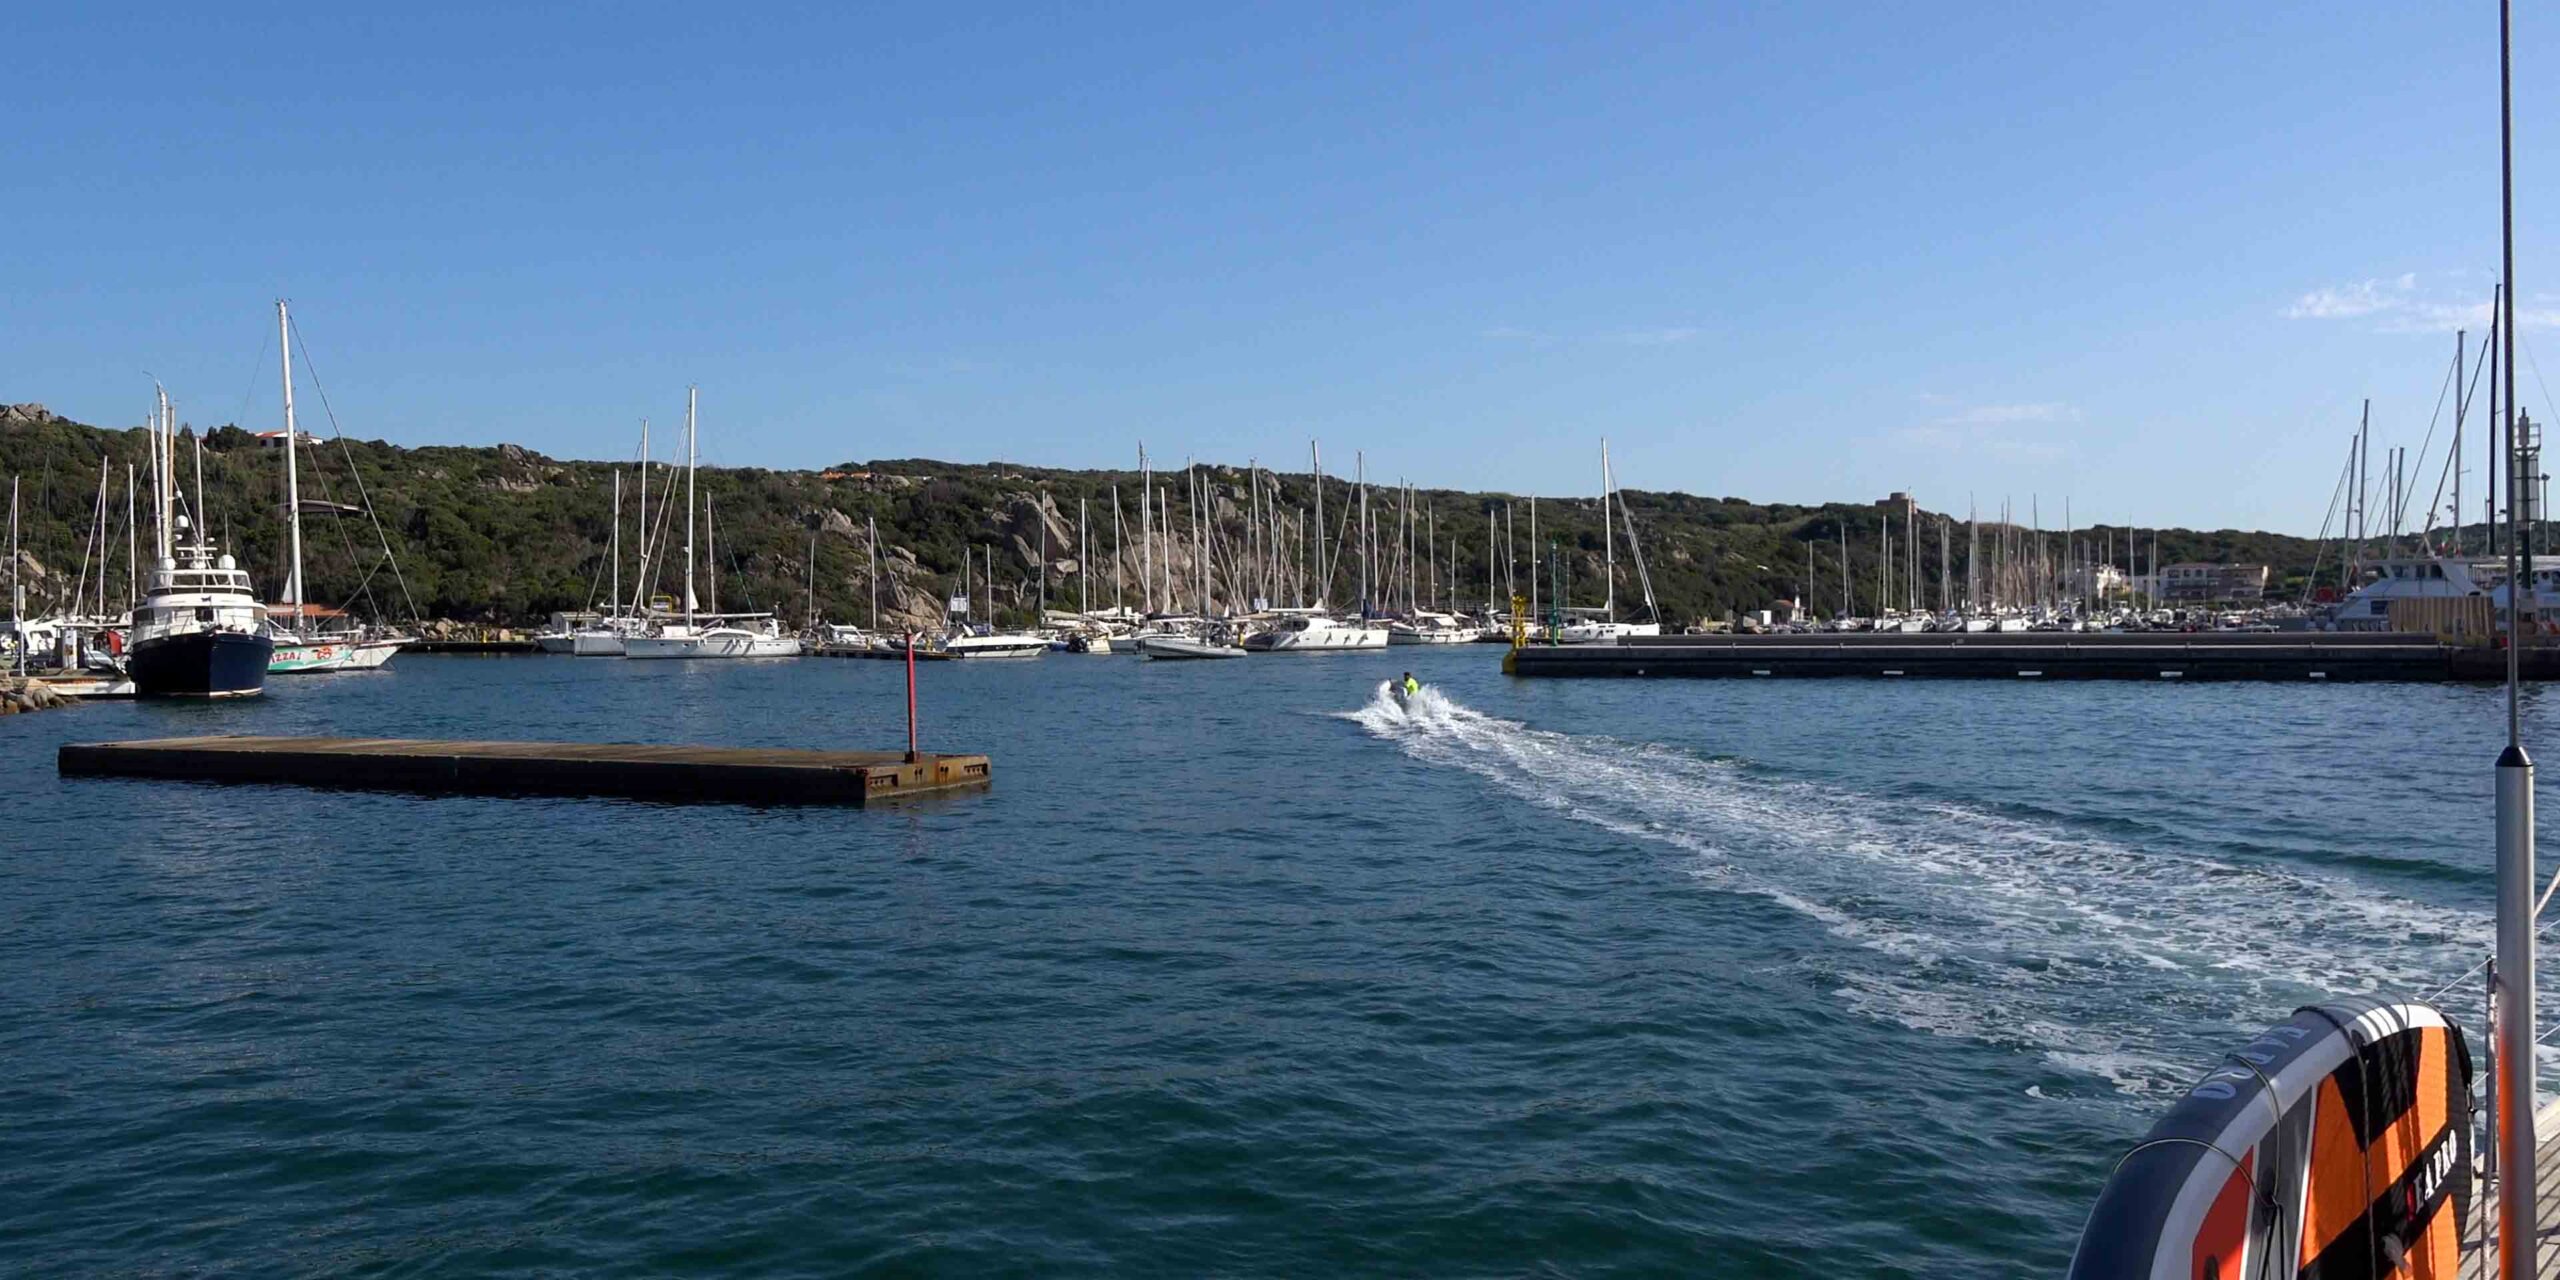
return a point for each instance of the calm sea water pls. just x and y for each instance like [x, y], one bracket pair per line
[1239, 970]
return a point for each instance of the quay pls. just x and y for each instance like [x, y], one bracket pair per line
[746, 775]
[2055, 655]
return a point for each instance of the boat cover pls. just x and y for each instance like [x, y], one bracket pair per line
[2336, 1144]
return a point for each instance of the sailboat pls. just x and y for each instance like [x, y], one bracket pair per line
[300, 646]
[730, 635]
[200, 631]
[1605, 628]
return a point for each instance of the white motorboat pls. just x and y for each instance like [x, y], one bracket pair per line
[1316, 633]
[970, 643]
[1169, 647]
[1429, 628]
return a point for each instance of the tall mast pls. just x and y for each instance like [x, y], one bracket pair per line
[871, 548]
[711, 555]
[1116, 567]
[1534, 564]
[616, 597]
[292, 470]
[2518, 1235]
[1084, 558]
[1608, 537]
[690, 460]
[2461, 403]
[1360, 478]
[1324, 572]
[132, 544]
[643, 585]
[1146, 533]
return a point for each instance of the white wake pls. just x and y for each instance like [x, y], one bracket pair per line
[2131, 964]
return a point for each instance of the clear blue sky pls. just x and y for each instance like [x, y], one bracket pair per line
[2143, 255]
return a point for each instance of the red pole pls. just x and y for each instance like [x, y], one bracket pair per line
[911, 697]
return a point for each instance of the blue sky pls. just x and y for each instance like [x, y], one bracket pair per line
[2147, 257]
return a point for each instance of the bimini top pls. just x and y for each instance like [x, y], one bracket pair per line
[2338, 1143]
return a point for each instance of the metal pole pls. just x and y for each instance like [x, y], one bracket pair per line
[911, 697]
[2518, 1233]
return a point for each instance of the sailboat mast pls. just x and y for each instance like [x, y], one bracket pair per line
[1608, 539]
[1117, 571]
[1084, 558]
[1324, 572]
[871, 549]
[643, 586]
[690, 460]
[1146, 533]
[1360, 476]
[292, 469]
[132, 545]
[616, 597]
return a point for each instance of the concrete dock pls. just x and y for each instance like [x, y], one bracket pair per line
[2056, 655]
[748, 775]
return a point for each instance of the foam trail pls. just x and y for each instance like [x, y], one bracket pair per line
[2135, 965]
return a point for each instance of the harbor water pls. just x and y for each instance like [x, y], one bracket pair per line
[1240, 969]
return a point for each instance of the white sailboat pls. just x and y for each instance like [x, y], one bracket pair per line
[310, 638]
[742, 635]
[1605, 628]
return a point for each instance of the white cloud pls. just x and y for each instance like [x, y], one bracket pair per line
[2405, 303]
[2350, 301]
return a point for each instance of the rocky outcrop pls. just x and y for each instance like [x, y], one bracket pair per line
[15, 416]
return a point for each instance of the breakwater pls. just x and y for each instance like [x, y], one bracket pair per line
[2224, 655]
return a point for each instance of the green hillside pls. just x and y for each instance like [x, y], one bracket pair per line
[506, 535]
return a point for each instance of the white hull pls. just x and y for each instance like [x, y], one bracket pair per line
[982, 647]
[1328, 640]
[714, 644]
[1396, 636]
[594, 644]
[373, 654]
[548, 642]
[306, 657]
[1185, 647]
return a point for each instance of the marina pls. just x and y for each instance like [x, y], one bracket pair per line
[1656, 642]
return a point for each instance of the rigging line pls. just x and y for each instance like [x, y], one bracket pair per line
[257, 378]
[345, 539]
[2320, 546]
[2530, 363]
[2400, 507]
[2452, 458]
[312, 367]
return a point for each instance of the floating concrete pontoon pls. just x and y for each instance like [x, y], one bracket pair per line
[750, 775]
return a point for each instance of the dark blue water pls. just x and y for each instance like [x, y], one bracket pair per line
[1238, 970]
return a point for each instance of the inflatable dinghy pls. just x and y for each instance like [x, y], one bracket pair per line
[2336, 1144]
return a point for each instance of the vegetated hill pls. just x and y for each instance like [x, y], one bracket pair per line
[507, 535]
